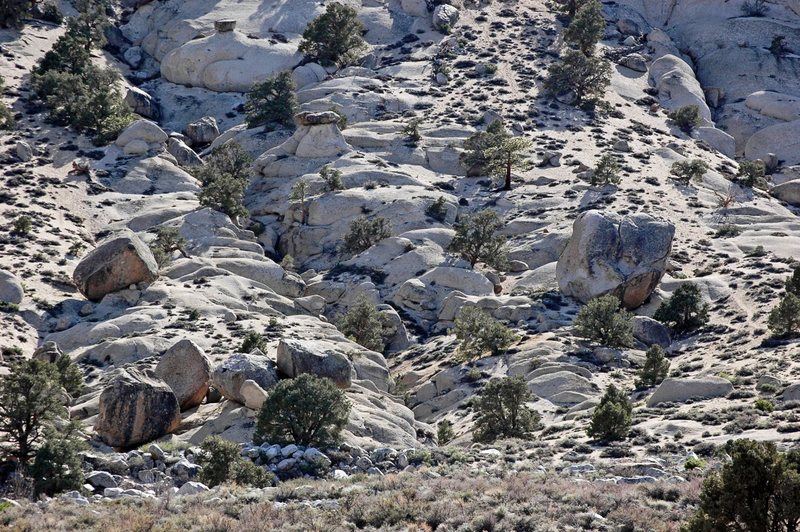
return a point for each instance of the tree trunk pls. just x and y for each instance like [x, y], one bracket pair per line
[508, 175]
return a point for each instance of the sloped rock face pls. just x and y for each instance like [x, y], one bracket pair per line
[229, 376]
[136, 408]
[681, 390]
[296, 357]
[115, 264]
[186, 370]
[607, 254]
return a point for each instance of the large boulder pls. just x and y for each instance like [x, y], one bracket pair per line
[187, 371]
[681, 390]
[788, 192]
[607, 254]
[141, 130]
[136, 408]
[444, 17]
[651, 332]
[792, 392]
[115, 264]
[203, 131]
[142, 103]
[317, 357]
[229, 376]
[10, 288]
[781, 139]
[228, 61]
[552, 386]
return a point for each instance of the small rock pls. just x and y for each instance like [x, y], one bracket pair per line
[192, 488]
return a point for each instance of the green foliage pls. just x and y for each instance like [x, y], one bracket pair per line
[332, 178]
[168, 240]
[689, 170]
[411, 131]
[57, 466]
[246, 473]
[764, 405]
[475, 156]
[70, 376]
[273, 100]
[784, 319]
[655, 369]
[684, 310]
[51, 13]
[78, 93]
[501, 412]
[253, 340]
[91, 23]
[334, 38]
[478, 332]
[778, 46]
[586, 28]
[225, 177]
[793, 282]
[6, 116]
[686, 118]
[22, 225]
[299, 193]
[602, 320]
[570, 7]
[496, 152]
[757, 490]
[611, 419]
[694, 462]
[365, 324]
[12, 12]
[30, 398]
[444, 431]
[307, 410]
[587, 77]
[437, 210]
[365, 233]
[222, 461]
[476, 240]
[755, 8]
[606, 171]
[751, 173]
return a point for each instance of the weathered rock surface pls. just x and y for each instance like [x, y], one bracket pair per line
[11, 290]
[187, 371]
[675, 390]
[229, 376]
[317, 357]
[115, 264]
[136, 408]
[607, 254]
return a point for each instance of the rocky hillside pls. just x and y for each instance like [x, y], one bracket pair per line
[160, 345]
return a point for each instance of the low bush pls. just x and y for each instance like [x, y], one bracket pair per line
[365, 324]
[602, 320]
[686, 118]
[685, 309]
[307, 410]
[611, 420]
[655, 369]
[478, 332]
[334, 37]
[689, 170]
[365, 233]
[272, 101]
[501, 412]
[476, 239]
[225, 178]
